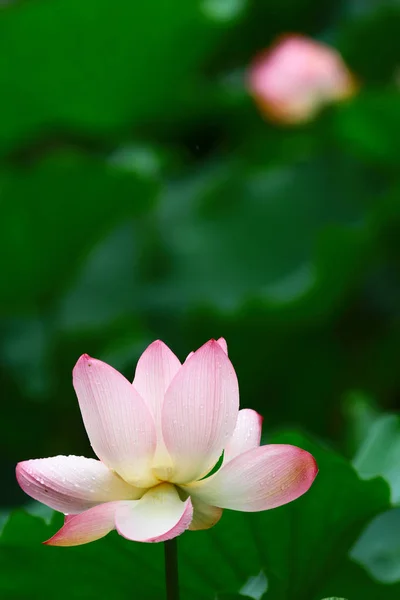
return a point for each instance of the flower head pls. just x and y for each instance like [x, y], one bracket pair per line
[156, 441]
[294, 79]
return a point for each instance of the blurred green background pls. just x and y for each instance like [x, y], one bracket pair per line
[143, 196]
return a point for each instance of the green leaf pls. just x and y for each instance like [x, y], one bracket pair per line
[378, 549]
[379, 454]
[365, 126]
[255, 587]
[89, 68]
[355, 582]
[360, 414]
[107, 569]
[56, 211]
[360, 36]
[240, 213]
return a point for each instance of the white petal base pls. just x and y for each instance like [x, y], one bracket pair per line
[158, 516]
[205, 516]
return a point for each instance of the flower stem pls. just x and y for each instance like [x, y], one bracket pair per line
[171, 569]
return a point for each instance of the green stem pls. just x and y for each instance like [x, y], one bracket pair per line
[171, 569]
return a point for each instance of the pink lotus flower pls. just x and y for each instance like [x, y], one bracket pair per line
[293, 80]
[156, 440]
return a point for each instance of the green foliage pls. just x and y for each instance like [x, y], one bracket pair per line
[379, 454]
[366, 126]
[56, 211]
[378, 549]
[106, 68]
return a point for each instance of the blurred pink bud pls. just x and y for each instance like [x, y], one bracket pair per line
[295, 78]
